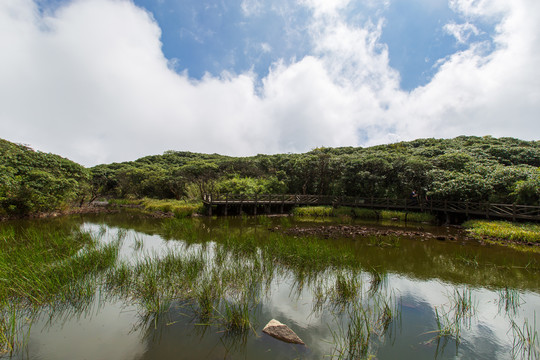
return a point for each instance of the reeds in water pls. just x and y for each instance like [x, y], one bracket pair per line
[526, 343]
[509, 300]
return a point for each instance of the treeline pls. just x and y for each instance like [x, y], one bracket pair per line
[32, 181]
[464, 168]
[480, 169]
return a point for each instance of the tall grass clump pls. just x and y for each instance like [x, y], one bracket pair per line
[313, 211]
[518, 232]
[179, 208]
[353, 341]
[39, 265]
[509, 300]
[46, 265]
[362, 213]
[363, 323]
[461, 309]
[526, 343]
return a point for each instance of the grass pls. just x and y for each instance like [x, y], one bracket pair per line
[461, 309]
[509, 300]
[503, 230]
[364, 321]
[361, 213]
[526, 342]
[179, 208]
[46, 266]
[354, 342]
[221, 282]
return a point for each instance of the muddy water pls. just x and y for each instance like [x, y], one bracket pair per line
[420, 280]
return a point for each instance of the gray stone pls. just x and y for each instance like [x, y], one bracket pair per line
[281, 332]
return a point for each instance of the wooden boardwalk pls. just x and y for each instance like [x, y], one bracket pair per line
[282, 201]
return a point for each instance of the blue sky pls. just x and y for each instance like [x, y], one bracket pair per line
[213, 36]
[112, 80]
[203, 36]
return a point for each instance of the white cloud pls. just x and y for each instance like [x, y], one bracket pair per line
[251, 7]
[90, 82]
[266, 47]
[462, 32]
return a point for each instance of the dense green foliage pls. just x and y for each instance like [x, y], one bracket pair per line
[479, 169]
[32, 181]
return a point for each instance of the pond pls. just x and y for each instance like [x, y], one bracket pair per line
[204, 288]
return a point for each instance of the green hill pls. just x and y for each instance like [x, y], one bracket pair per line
[32, 181]
[464, 168]
[504, 170]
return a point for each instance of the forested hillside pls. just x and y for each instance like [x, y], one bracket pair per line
[502, 170]
[32, 181]
[465, 168]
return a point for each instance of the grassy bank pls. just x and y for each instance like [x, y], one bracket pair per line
[503, 231]
[45, 266]
[364, 214]
[179, 208]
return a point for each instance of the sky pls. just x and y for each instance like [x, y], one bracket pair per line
[101, 81]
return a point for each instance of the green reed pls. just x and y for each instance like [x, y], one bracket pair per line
[509, 300]
[526, 343]
[46, 266]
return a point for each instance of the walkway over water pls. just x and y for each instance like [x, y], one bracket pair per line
[224, 202]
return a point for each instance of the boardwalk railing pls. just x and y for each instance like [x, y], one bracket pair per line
[507, 211]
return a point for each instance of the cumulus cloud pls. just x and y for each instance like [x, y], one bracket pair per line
[90, 82]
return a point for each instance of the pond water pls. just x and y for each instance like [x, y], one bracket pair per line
[345, 298]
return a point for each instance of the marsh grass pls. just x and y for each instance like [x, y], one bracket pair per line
[179, 208]
[355, 334]
[526, 342]
[313, 211]
[509, 300]
[46, 266]
[519, 232]
[379, 280]
[345, 213]
[347, 289]
[352, 341]
[458, 314]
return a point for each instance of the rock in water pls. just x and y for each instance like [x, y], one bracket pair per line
[282, 332]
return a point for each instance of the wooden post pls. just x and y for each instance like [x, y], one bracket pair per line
[255, 207]
[282, 203]
[241, 203]
[514, 212]
[226, 203]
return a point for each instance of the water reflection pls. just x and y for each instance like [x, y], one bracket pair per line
[382, 301]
